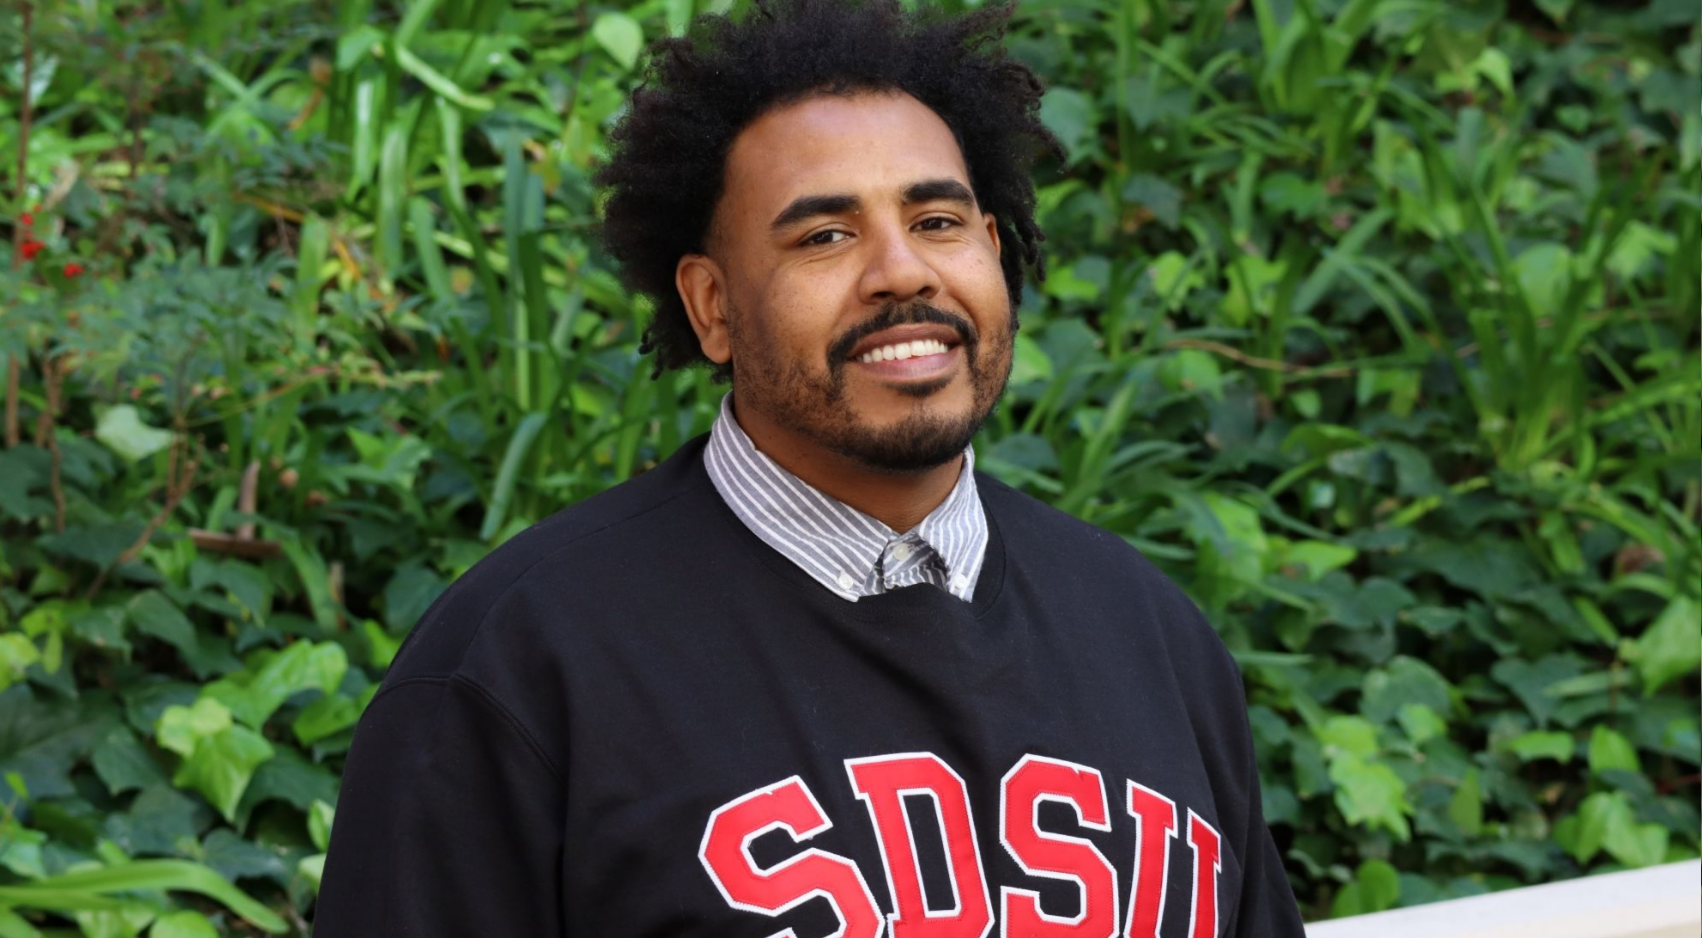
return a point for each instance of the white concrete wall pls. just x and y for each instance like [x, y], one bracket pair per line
[1659, 902]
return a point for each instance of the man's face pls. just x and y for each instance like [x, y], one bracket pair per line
[859, 295]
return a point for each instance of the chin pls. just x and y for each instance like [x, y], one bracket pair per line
[916, 443]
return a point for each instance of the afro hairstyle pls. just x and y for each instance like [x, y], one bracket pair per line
[668, 153]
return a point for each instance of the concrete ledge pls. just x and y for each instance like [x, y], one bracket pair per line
[1658, 902]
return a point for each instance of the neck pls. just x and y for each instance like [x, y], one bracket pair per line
[898, 500]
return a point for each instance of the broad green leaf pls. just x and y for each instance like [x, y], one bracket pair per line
[1070, 115]
[253, 696]
[222, 765]
[13, 925]
[1609, 751]
[620, 36]
[1349, 735]
[1637, 845]
[1404, 681]
[313, 869]
[1370, 793]
[17, 653]
[1465, 808]
[183, 924]
[123, 763]
[181, 728]
[1599, 814]
[1421, 723]
[41, 740]
[1030, 362]
[1543, 744]
[323, 717]
[123, 431]
[153, 614]
[1544, 271]
[1672, 647]
[319, 819]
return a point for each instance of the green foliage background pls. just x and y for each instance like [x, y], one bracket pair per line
[1375, 322]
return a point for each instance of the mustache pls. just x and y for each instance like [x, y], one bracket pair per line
[906, 315]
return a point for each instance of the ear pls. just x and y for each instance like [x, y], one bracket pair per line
[701, 284]
[992, 231]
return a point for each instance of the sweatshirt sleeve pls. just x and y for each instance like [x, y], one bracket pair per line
[1267, 908]
[449, 822]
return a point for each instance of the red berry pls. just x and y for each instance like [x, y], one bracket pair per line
[28, 219]
[31, 249]
[73, 269]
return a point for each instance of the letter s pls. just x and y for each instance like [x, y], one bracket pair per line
[789, 804]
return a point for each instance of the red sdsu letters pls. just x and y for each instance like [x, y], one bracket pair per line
[1155, 825]
[725, 853]
[883, 783]
[1072, 859]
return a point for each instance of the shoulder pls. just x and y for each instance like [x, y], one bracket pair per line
[1038, 532]
[1075, 557]
[520, 586]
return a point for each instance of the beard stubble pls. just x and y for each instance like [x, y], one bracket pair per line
[816, 406]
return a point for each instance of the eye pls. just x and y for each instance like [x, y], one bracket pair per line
[927, 224]
[820, 237]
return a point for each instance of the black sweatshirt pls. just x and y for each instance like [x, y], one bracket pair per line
[637, 719]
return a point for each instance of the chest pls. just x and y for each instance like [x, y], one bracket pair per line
[769, 773]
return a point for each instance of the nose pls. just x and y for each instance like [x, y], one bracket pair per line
[896, 272]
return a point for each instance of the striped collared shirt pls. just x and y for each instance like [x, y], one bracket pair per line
[843, 549]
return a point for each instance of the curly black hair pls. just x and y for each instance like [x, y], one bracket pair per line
[668, 153]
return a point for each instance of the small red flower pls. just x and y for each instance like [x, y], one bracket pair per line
[73, 269]
[30, 249]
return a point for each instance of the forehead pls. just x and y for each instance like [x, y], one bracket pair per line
[869, 144]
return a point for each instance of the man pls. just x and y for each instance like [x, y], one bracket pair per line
[812, 675]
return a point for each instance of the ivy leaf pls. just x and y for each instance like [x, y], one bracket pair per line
[222, 765]
[1530, 680]
[1405, 681]
[1672, 647]
[123, 431]
[324, 717]
[1069, 114]
[620, 36]
[319, 820]
[153, 614]
[235, 858]
[183, 924]
[1370, 793]
[291, 778]
[97, 544]
[1348, 734]
[1609, 751]
[123, 763]
[41, 742]
[1637, 845]
[1543, 744]
[181, 729]
[1599, 814]
[162, 820]
[1465, 808]
[253, 696]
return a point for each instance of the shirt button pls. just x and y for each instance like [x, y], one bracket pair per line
[960, 582]
[845, 582]
[901, 552]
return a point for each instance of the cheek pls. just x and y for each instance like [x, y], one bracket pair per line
[800, 318]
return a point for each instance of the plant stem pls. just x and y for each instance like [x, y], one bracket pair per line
[24, 114]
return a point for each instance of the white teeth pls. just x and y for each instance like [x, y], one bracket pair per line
[902, 350]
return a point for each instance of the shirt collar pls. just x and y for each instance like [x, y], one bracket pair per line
[837, 545]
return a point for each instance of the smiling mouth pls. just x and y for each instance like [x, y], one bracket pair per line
[903, 351]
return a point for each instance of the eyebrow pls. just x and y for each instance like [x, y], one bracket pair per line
[809, 206]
